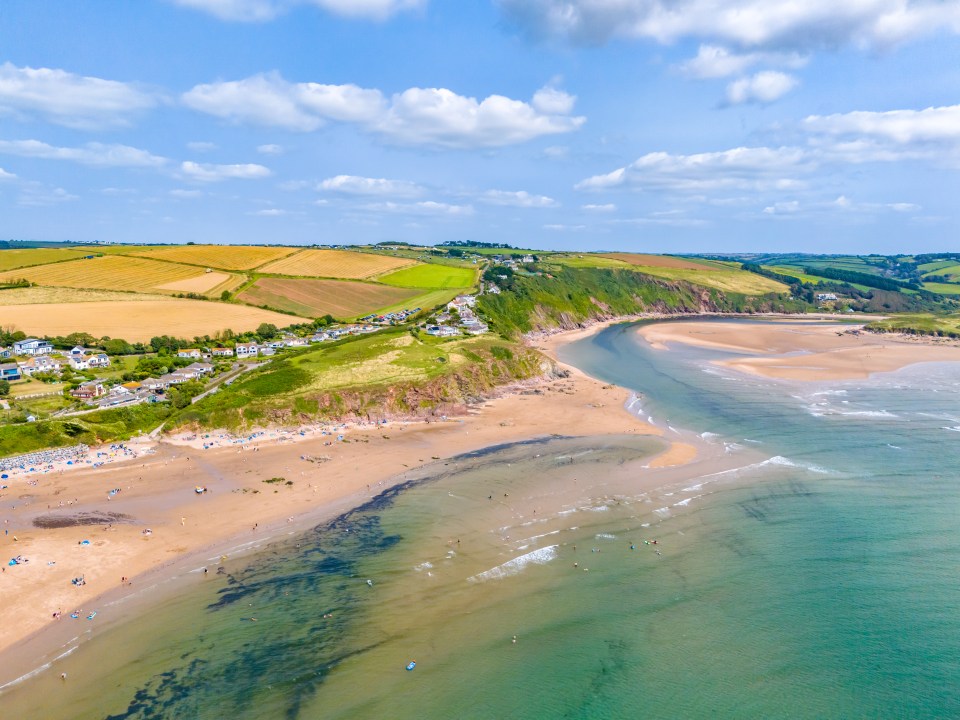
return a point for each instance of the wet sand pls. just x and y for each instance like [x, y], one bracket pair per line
[157, 492]
[801, 349]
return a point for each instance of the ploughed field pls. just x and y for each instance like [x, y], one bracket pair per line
[315, 298]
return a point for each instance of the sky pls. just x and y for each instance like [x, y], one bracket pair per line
[704, 126]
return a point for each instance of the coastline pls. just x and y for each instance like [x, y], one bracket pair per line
[242, 512]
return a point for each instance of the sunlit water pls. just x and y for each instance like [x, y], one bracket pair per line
[810, 572]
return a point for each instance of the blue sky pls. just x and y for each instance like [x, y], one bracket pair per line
[650, 125]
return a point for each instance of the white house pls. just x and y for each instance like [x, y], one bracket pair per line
[295, 342]
[99, 360]
[223, 352]
[190, 353]
[40, 363]
[199, 368]
[442, 331]
[246, 350]
[32, 346]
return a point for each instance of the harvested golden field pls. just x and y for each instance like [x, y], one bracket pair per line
[40, 295]
[738, 281]
[336, 264]
[314, 298]
[139, 320]
[659, 261]
[222, 257]
[110, 272]
[199, 284]
[11, 259]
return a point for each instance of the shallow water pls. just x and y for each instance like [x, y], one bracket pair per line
[813, 575]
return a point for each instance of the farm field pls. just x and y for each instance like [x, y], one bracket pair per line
[315, 298]
[35, 295]
[951, 270]
[586, 260]
[942, 288]
[335, 264]
[199, 284]
[933, 267]
[738, 281]
[110, 272]
[138, 320]
[12, 259]
[222, 257]
[662, 261]
[425, 300]
[794, 272]
[431, 276]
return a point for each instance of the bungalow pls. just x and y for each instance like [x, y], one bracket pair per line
[442, 331]
[31, 346]
[190, 353]
[825, 297]
[173, 379]
[89, 390]
[199, 368]
[276, 345]
[223, 352]
[40, 363]
[77, 352]
[246, 350]
[268, 350]
[319, 337]
[295, 342]
[10, 371]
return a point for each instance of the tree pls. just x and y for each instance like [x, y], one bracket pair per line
[4, 388]
[225, 295]
[267, 331]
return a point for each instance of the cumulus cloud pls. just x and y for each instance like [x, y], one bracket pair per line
[186, 194]
[417, 116]
[753, 168]
[215, 173]
[67, 99]
[270, 149]
[764, 87]
[269, 212]
[354, 185]
[4, 175]
[34, 194]
[714, 61]
[811, 24]
[93, 153]
[520, 198]
[262, 10]
[202, 146]
[440, 117]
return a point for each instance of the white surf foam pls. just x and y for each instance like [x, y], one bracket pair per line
[515, 566]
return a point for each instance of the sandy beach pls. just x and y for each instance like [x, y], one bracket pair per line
[801, 349]
[140, 512]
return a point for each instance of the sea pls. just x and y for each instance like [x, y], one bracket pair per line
[809, 567]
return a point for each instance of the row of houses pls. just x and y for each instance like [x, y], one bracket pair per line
[394, 318]
[467, 320]
[78, 358]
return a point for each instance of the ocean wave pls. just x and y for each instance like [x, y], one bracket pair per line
[787, 462]
[956, 428]
[512, 567]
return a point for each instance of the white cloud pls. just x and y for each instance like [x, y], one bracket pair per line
[713, 61]
[417, 116]
[67, 99]
[933, 124]
[93, 153]
[427, 207]
[216, 173]
[605, 208]
[261, 10]
[202, 146]
[519, 198]
[553, 102]
[786, 207]
[260, 100]
[747, 23]
[440, 117]
[270, 149]
[186, 194]
[269, 212]
[559, 227]
[4, 175]
[753, 168]
[764, 87]
[354, 185]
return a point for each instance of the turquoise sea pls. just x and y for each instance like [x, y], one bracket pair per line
[811, 569]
